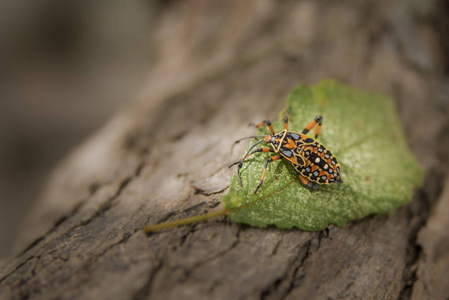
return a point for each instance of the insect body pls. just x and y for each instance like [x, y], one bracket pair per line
[313, 162]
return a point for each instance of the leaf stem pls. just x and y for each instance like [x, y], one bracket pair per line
[186, 221]
[219, 213]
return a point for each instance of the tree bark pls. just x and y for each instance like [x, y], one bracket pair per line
[218, 66]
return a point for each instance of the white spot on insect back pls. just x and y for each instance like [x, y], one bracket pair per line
[326, 166]
[317, 160]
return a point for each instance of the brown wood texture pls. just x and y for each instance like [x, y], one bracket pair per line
[219, 65]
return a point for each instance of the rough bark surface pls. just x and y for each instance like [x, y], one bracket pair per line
[219, 65]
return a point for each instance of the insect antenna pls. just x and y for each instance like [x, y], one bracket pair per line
[240, 162]
[245, 138]
[252, 148]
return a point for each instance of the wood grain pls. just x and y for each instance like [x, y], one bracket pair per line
[217, 67]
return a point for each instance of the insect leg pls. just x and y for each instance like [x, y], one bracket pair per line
[308, 184]
[318, 120]
[240, 161]
[268, 123]
[287, 116]
[271, 159]
[258, 150]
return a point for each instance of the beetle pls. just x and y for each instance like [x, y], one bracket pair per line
[314, 163]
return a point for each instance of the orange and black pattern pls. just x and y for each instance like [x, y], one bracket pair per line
[313, 162]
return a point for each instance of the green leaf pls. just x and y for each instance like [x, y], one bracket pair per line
[363, 131]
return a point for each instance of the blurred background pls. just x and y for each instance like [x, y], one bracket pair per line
[65, 67]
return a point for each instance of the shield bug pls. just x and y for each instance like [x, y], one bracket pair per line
[313, 162]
